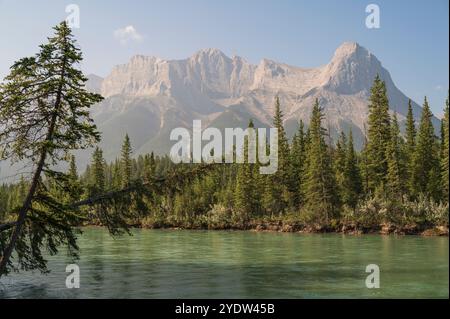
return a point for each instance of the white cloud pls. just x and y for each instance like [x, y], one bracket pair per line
[128, 34]
[438, 87]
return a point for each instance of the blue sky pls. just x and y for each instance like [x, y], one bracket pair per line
[412, 41]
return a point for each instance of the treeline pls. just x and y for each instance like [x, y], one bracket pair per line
[398, 182]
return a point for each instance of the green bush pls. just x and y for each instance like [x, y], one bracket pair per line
[376, 211]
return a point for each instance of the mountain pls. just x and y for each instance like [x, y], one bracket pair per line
[149, 96]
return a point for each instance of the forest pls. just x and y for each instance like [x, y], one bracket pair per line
[398, 183]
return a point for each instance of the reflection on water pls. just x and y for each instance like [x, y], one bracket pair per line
[222, 264]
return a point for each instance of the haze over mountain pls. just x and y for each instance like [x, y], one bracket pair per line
[149, 96]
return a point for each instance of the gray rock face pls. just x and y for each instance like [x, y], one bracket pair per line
[149, 96]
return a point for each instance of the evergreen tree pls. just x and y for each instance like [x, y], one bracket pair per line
[126, 162]
[244, 195]
[149, 166]
[73, 172]
[321, 198]
[283, 145]
[75, 188]
[364, 164]
[425, 162]
[340, 162]
[410, 146]
[276, 194]
[297, 166]
[442, 139]
[97, 171]
[352, 185]
[116, 176]
[445, 153]
[394, 178]
[378, 136]
[44, 116]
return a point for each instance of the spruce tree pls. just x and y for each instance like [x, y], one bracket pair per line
[126, 162]
[149, 166]
[364, 164]
[97, 171]
[116, 181]
[410, 146]
[425, 161]
[321, 197]
[276, 194]
[75, 188]
[445, 153]
[244, 195]
[442, 139]
[352, 185]
[44, 116]
[297, 166]
[340, 162]
[378, 136]
[395, 182]
[283, 145]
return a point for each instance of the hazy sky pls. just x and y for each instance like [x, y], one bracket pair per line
[412, 41]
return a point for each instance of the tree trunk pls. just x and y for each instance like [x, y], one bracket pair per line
[22, 214]
[6, 255]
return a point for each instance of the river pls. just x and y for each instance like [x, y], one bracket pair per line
[240, 264]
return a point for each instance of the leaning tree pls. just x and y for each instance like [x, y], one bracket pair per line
[44, 115]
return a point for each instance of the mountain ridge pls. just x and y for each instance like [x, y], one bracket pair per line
[149, 96]
[222, 90]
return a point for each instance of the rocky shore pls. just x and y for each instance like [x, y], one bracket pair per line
[280, 226]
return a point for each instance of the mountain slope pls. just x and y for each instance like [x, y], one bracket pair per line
[149, 96]
[223, 91]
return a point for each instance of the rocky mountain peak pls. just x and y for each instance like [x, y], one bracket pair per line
[217, 89]
[352, 69]
[211, 56]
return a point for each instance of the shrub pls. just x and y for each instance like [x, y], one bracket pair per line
[219, 216]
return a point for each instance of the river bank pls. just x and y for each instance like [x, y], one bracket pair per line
[297, 227]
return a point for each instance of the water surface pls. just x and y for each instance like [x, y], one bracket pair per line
[238, 264]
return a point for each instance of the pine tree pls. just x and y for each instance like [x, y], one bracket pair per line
[410, 146]
[244, 195]
[364, 164]
[442, 139]
[445, 155]
[395, 180]
[340, 162]
[352, 185]
[283, 145]
[425, 162]
[44, 116]
[276, 194]
[149, 166]
[75, 188]
[378, 136]
[98, 172]
[321, 197]
[297, 166]
[116, 181]
[126, 162]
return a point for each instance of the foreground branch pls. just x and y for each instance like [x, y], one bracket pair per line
[7, 226]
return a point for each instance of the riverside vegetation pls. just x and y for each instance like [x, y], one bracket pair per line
[398, 183]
